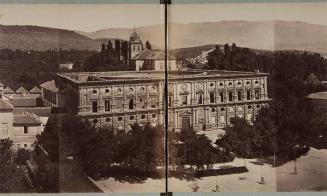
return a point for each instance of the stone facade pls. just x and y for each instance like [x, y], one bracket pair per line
[196, 99]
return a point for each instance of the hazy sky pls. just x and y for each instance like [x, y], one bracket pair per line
[93, 17]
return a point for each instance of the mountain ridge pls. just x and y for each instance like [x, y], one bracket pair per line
[264, 35]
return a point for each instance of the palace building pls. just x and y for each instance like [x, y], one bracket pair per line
[204, 100]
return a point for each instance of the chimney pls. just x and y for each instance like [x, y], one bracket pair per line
[257, 71]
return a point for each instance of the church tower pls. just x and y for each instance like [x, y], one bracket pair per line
[135, 44]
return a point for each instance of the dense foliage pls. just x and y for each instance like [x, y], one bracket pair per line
[98, 150]
[22, 155]
[7, 168]
[32, 68]
[291, 120]
[280, 64]
[196, 150]
[46, 175]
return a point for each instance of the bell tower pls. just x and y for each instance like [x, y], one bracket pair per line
[135, 44]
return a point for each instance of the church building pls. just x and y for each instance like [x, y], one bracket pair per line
[141, 58]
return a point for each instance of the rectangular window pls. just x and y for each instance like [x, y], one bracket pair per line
[170, 100]
[248, 94]
[257, 94]
[200, 99]
[212, 97]
[131, 104]
[25, 129]
[18, 146]
[107, 105]
[230, 96]
[184, 100]
[221, 97]
[94, 106]
[25, 145]
[239, 95]
[119, 104]
[4, 129]
[153, 102]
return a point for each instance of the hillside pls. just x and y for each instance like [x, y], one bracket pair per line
[266, 35]
[191, 52]
[43, 38]
[154, 34]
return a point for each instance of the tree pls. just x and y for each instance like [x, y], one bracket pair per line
[49, 140]
[6, 153]
[234, 48]
[103, 50]
[227, 50]
[241, 139]
[110, 48]
[196, 150]
[7, 167]
[117, 48]
[148, 45]
[22, 156]
[47, 174]
[124, 51]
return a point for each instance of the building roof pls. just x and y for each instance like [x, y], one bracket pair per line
[5, 105]
[50, 85]
[8, 90]
[318, 95]
[134, 34]
[39, 111]
[119, 77]
[152, 54]
[22, 90]
[26, 119]
[25, 101]
[35, 90]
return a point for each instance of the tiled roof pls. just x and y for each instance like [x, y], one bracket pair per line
[318, 95]
[8, 90]
[5, 105]
[26, 119]
[27, 95]
[25, 101]
[22, 90]
[50, 85]
[39, 111]
[152, 54]
[35, 90]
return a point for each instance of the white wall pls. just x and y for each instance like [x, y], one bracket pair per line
[6, 122]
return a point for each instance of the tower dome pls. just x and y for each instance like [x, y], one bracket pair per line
[134, 34]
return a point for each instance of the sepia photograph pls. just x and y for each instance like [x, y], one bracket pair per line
[163, 98]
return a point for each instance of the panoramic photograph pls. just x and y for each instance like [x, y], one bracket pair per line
[149, 98]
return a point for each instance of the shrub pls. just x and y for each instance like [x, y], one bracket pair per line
[22, 156]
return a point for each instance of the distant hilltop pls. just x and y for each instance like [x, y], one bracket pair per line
[264, 35]
[43, 38]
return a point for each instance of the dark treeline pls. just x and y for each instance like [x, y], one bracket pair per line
[109, 58]
[100, 151]
[292, 123]
[31, 68]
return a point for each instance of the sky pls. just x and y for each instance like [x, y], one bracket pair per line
[90, 18]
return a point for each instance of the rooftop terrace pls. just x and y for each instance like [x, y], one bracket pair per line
[95, 77]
